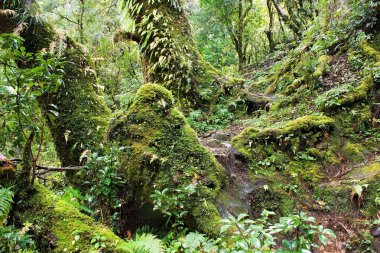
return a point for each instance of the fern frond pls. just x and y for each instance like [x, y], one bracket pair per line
[144, 243]
[25, 228]
[6, 200]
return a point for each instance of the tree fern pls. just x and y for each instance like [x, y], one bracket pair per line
[6, 200]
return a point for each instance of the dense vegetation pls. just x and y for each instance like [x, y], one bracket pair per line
[189, 126]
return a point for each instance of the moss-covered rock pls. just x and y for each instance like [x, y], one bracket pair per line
[62, 228]
[298, 134]
[268, 194]
[162, 151]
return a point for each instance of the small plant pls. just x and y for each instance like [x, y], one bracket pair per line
[98, 241]
[171, 202]
[357, 194]
[303, 231]
[332, 97]
[104, 183]
[14, 240]
[249, 235]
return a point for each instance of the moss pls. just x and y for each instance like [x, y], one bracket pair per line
[206, 218]
[323, 66]
[59, 223]
[353, 152]
[83, 116]
[294, 85]
[294, 135]
[337, 194]
[308, 171]
[272, 197]
[370, 51]
[162, 151]
[345, 95]
[170, 57]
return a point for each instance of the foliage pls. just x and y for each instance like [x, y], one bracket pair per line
[6, 200]
[21, 84]
[171, 202]
[240, 234]
[144, 243]
[103, 182]
[219, 117]
[13, 240]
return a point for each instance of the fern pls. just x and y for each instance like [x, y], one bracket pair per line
[144, 243]
[6, 200]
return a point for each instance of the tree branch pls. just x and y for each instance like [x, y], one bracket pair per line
[126, 36]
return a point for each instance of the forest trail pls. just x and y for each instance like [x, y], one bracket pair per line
[237, 197]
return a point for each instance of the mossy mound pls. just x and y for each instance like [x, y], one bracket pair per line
[162, 151]
[345, 95]
[62, 228]
[295, 135]
[340, 195]
[353, 152]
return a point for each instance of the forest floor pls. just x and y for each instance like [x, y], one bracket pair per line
[345, 226]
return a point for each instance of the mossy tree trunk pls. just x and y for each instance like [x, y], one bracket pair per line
[168, 52]
[83, 116]
[63, 228]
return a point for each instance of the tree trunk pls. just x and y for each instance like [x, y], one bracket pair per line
[291, 23]
[169, 55]
[269, 32]
[83, 116]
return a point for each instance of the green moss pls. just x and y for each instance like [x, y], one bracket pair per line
[308, 171]
[345, 95]
[170, 56]
[323, 66]
[162, 151]
[59, 223]
[272, 197]
[294, 135]
[370, 51]
[83, 116]
[294, 85]
[337, 194]
[206, 218]
[353, 152]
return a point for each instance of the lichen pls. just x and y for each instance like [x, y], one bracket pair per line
[162, 151]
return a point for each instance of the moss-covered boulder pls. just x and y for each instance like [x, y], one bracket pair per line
[297, 135]
[162, 151]
[60, 227]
